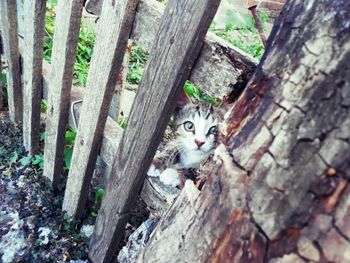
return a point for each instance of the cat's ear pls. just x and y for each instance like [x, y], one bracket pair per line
[182, 100]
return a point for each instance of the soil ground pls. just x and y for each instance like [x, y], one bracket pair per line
[33, 228]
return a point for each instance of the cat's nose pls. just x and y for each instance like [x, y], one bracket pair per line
[199, 143]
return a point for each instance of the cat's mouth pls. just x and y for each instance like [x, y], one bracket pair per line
[201, 150]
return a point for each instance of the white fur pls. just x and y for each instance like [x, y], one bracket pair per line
[153, 172]
[170, 177]
[193, 160]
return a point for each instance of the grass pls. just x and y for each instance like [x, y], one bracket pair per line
[242, 35]
[137, 61]
[245, 36]
[3, 85]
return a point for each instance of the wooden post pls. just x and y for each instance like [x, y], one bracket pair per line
[10, 42]
[67, 26]
[112, 39]
[32, 73]
[180, 37]
[1, 87]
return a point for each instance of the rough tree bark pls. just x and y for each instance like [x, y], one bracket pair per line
[280, 189]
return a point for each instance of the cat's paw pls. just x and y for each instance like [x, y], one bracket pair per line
[170, 177]
[153, 171]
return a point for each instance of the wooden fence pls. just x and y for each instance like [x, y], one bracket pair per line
[180, 49]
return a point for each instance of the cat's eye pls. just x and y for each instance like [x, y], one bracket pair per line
[189, 126]
[213, 130]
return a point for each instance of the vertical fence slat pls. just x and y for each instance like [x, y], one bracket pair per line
[180, 36]
[34, 15]
[10, 42]
[67, 24]
[1, 88]
[114, 30]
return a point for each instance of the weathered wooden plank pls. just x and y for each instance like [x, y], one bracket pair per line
[10, 43]
[67, 24]
[1, 87]
[168, 67]
[106, 63]
[32, 73]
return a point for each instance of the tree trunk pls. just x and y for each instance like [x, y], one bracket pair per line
[279, 191]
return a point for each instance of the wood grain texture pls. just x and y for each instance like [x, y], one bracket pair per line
[280, 190]
[1, 87]
[67, 24]
[10, 42]
[157, 196]
[94, 6]
[168, 67]
[106, 63]
[32, 73]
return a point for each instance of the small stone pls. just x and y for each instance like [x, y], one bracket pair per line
[87, 230]
[331, 172]
[307, 249]
[335, 247]
[44, 235]
[289, 258]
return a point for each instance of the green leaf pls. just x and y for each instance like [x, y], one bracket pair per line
[66, 216]
[99, 195]
[189, 88]
[53, 2]
[39, 158]
[228, 26]
[13, 157]
[42, 136]
[211, 100]
[25, 160]
[122, 122]
[68, 152]
[2, 150]
[43, 106]
[4, 79]
[192, 91]
[70, 137]
[93, 213]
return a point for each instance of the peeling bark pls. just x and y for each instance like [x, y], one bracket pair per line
[280, 190]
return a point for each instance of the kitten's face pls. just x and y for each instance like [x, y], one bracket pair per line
[195, 129]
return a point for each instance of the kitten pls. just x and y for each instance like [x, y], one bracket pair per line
[195, 128]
